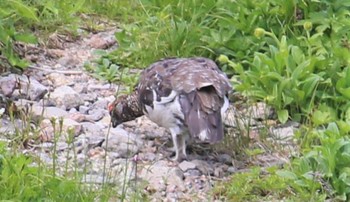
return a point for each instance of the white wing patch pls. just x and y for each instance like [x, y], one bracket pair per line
[166, 112]
[224, 107]
[203, 135]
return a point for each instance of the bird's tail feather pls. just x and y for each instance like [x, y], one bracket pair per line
[203, 115]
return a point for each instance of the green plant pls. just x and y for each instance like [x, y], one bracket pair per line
[256, 185]
[324, 167]
[22, 180]
[11, 13]
[284, 78]
[104, 69]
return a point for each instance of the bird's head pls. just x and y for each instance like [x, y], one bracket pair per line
[124, 108]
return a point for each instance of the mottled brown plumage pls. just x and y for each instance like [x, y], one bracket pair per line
[185, 95]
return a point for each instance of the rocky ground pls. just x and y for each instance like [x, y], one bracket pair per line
[64, 111]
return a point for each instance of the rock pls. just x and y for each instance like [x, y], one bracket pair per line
[96, 114]
[8, 127]
[7, 85]
[78, 117]
[100, 104]
[97, 152]
[219, 170]
[231, 169]
[89, 97]
[55, 53]
[92, 128]
[66, 96]
[31, 88]
[124, 143]
[230, 117]
[285, 134]
[203, 166]
[259, 111]
[68, 61]
[225, 158]
[48, 112]
[147, 128]
[59, 79]
[192, 173]
[186, 165]
[80, 88]
[93, 132]
[99, 42]
[83, 109]
[105, 121]
[93, 87]
[235, 118]
[149, 156]
[159, 174]
[69, 127]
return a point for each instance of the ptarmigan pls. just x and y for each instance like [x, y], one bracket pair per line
[188, 96]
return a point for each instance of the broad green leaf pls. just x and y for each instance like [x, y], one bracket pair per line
[287, 174]
[310, 84]
[297, 54]
[105, 62]
[23, 9]
[344, 127]
[320, 117]
[333, 128]
[282, 115]
[275, 76]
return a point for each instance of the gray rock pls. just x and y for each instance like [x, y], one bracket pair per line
[73, 110]
[193, 173]
[66, 96]
[225, 158]
[186, 165]
[69, 127]
[93, 87]
[231, 169]
[203, 166]
[58, 79]
[31, 88]
[93, 132]
[122, 142]
[7, 85]
[80, 88]
[99, 41]
[89, 97]
[259, 111]
[96, 114]
[68, 61]
[159, 174]
[8, 127]
[83, 109]
[93, 129]
[100, 104]
[284, 134]
[149, 156]
[48, 112]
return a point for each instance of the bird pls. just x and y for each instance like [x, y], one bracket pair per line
[187, 96]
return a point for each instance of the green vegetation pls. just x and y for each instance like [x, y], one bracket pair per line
[291, 54]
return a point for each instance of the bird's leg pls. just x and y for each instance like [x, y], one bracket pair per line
[182, 143]
[179, 144]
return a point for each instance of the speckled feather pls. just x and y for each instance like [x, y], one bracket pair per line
[183, 75]
[200, 89]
